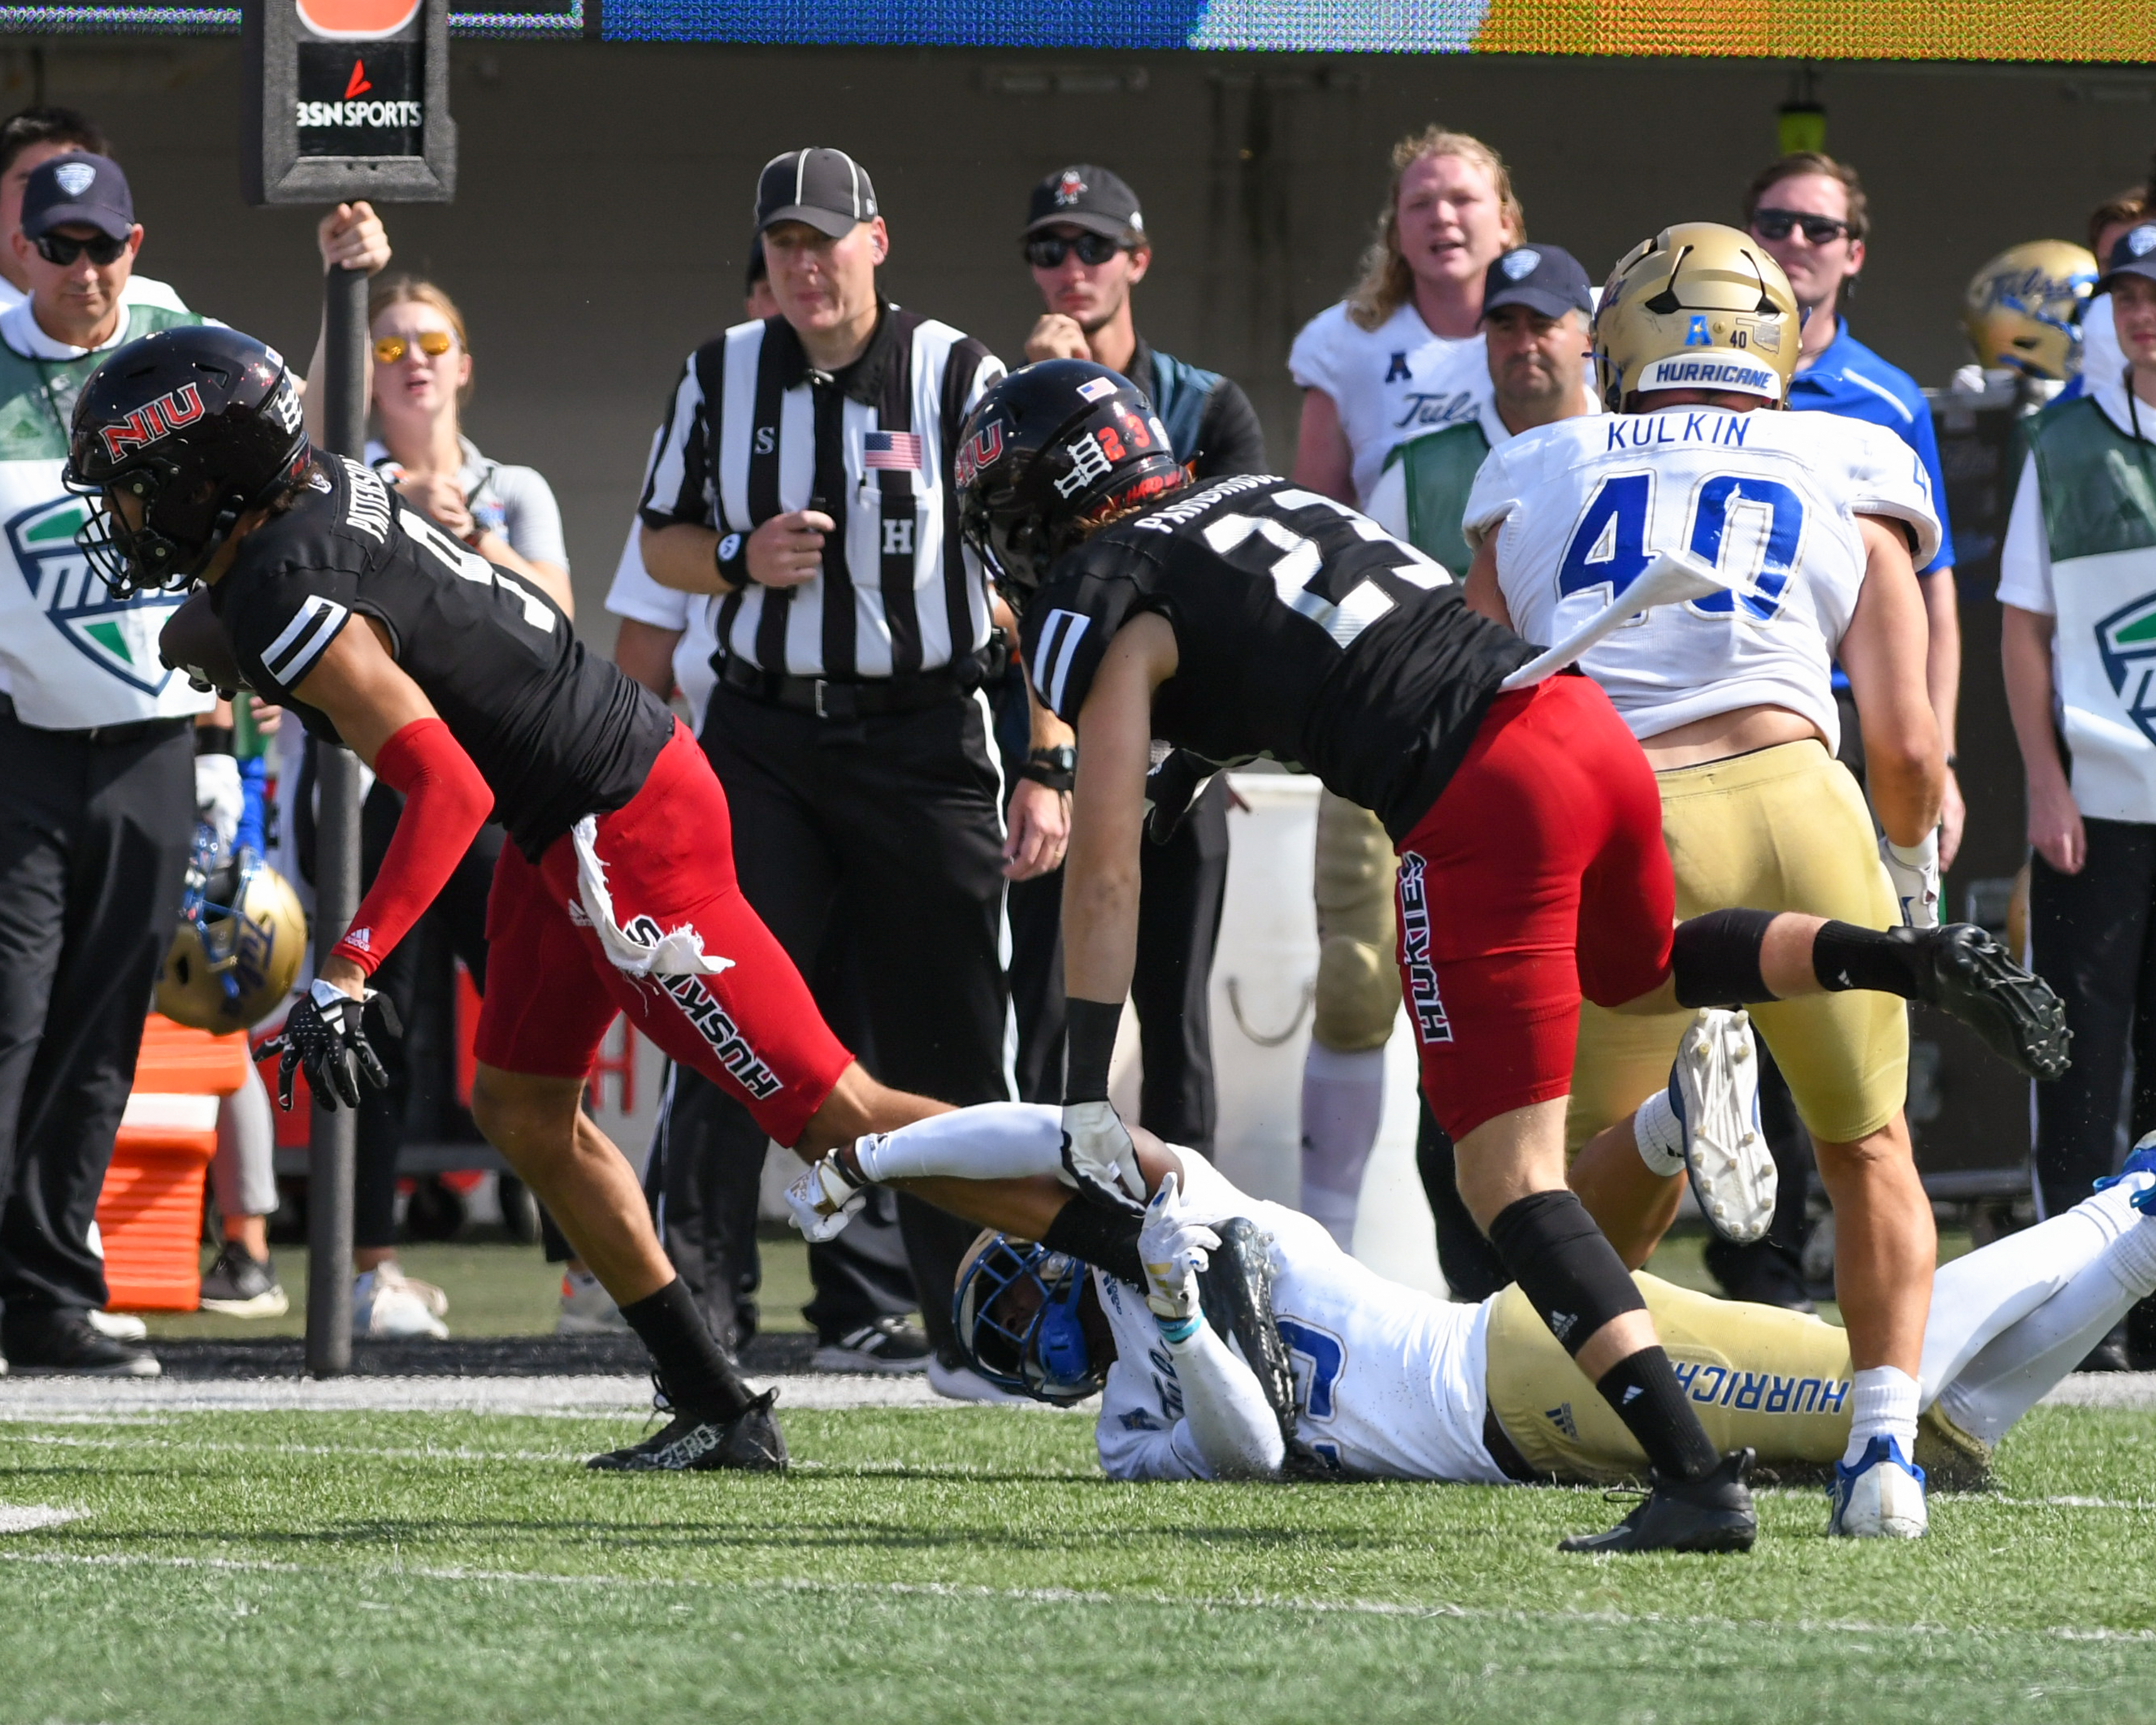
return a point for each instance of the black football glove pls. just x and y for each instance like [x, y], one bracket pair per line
[326, 1034]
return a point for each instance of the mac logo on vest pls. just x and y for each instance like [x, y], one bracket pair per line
[120, 636]
[2127, 640]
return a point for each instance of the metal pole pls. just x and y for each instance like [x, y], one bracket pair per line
[332, 1142]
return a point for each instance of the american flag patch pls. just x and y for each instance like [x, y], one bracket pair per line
[897, 451]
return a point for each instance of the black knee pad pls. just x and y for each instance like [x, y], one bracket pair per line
[1569, 1272]
[1716, 958]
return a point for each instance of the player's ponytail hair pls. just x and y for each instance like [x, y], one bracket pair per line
[401, 289]
[1387, 284]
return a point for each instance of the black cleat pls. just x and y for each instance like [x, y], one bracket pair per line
[1236, 1290]
[695, 1443]
[1965, 973]
[1712, 1514]
[65, 1344]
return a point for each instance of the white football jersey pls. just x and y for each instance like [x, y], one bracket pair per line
[1389, 1381]
[1391, 383]
[1771, 498]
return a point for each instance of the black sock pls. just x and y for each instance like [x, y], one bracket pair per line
[696, 1374]
[1093, 1234]
[1844, 955]
[1651, 1403]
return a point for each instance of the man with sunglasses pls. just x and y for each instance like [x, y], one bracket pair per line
[1808, 212]
[97, 806]
[1086, 243]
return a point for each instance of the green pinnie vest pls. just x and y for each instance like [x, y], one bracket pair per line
[1440, 470]
[2097, 489]
[75, 656]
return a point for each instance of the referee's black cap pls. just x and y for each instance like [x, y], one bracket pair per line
[1090, 197]
[826, 188]
[1543, 278]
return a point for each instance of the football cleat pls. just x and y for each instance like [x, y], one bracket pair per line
[749, 1442]
[1713, 1514]
[1714, 1091]
[1966, 973]
[1882, 1497]
[1236, 1290]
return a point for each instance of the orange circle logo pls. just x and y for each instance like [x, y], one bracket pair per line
[357, 20]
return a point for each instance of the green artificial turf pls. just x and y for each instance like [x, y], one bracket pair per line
[971, 1564]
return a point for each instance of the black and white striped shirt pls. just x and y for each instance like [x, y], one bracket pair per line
[753, 431]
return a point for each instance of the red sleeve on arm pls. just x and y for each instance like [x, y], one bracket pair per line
[446, 803]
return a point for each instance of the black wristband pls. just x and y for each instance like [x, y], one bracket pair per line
[213, 739]
[730, 557]
[1057, 768]
[1089, 1045]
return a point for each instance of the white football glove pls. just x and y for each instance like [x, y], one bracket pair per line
[1914, 870]
[219, 798]
[1098, 1156]
[1173, 1247]
[823, 1199]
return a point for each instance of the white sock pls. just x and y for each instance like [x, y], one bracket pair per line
[1660, 1135]
[992, 1140]
[1343, 1099]
[1885, 1400]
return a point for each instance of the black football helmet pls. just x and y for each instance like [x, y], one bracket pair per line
[198, 424]
[1051, 450]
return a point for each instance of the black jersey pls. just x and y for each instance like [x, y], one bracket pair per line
[556, 733]
[1303, 633]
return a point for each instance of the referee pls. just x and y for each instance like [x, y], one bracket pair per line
[802, 475]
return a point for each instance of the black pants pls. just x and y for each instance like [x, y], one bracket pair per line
[2090, 938]
[1182, 886]
[454, 927]
[94, 842]
[881, 840]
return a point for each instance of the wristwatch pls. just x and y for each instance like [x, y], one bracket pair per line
[1057, 768]
[730, 557]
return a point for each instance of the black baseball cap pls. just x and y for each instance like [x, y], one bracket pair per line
[78, 187]
[2134, 254]
[1088, 197]
[1543, 278]
[826, 188]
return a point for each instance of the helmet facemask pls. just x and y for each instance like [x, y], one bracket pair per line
[175, 542]
[1020, 1314]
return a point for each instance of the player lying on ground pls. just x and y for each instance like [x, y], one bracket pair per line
[464, 688]
[1390, 1383]
[1732, 697]
[1252, 617]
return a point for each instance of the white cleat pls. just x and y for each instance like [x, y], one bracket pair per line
[587, 1308]
[1714, 1089]
[1882, 1497]
[388, 1306]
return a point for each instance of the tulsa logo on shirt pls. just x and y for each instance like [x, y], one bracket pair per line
[120, 636]
[2127, 641]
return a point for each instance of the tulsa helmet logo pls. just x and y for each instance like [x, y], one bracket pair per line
[2127, 640]
[121, 635]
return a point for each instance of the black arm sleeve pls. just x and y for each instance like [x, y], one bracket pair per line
[1229, 439]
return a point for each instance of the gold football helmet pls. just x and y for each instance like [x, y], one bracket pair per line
[1699, 307]
[2022, 310]
[241, 938]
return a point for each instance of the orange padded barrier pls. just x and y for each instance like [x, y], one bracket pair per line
[148, 1215]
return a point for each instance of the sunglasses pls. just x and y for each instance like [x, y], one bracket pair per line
[1818, 230]
[433, 343]
[1049, 251]
[58, 249]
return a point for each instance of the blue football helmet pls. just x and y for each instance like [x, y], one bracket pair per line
[1017, 1310]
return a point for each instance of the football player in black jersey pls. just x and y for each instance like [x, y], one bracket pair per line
[465, 688]
[1255, 618]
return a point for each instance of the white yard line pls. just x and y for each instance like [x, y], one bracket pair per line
[52, 1399]
[346, 1575]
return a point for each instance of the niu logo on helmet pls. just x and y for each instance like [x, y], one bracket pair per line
[985, 446]
[158, 418]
